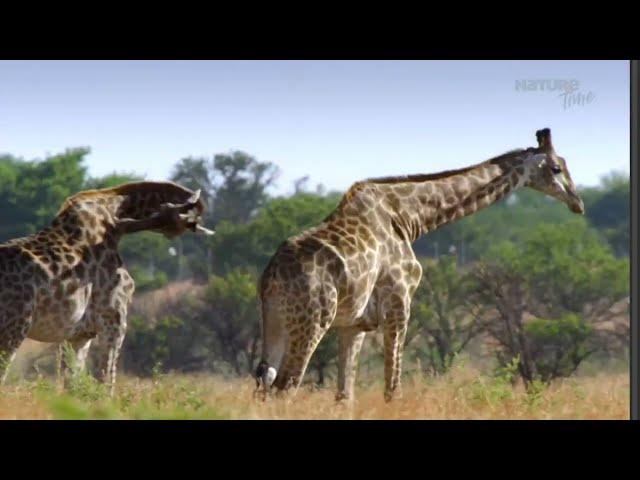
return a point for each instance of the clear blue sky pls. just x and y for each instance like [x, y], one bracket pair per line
[336, 121]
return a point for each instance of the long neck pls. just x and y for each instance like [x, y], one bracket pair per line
[90, 219]
[418, 207]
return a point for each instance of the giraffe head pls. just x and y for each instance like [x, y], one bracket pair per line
[548, 173]
[180, 208]
[187, 215]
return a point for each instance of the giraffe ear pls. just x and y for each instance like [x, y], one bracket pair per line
[544, 138]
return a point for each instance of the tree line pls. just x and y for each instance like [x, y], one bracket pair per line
[525, 279]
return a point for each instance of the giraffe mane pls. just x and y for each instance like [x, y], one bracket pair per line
[123, 189]
[425, 177]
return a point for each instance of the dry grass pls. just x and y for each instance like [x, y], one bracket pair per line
[462, 394]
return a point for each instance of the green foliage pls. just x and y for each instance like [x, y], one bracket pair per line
[151, 346]
[147, 281]
[554, 272]
[232, 316]
[442, 320]
[251, 245]
[559, 345]
[607, 209]
[561, 262]
[233, 185]
[167, 400]
[241, 182]
[498, 388]
[325, 356]
[79, 383]
[31, 192]
[565, 265]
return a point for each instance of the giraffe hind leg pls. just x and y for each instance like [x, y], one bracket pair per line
[296, 358]
[303, 333]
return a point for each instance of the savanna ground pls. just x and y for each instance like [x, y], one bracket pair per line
[462, 393]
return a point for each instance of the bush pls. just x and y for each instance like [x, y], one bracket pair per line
[558, 346]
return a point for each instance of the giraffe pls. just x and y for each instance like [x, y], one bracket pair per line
[356, 271]
[67, 282]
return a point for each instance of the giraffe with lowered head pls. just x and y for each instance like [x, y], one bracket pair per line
[68, 283]
[357, 272]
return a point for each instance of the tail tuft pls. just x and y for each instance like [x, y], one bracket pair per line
[266, 373]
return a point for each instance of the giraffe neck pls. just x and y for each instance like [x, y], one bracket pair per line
[89, 218]
[418, 205]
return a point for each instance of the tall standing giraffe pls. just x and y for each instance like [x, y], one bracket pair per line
[68, 282]
[356, 271]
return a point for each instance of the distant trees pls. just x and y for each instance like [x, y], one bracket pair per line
[540, 283]
[539, 289]
[608, 210]
[31, 192]
[252, 244]
[443, 319]
[232, 316]
[234, 184]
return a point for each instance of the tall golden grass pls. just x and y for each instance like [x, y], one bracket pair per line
[464, 393]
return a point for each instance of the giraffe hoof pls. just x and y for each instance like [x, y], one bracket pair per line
[342, 397]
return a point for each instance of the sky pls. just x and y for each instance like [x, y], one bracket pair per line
[335, 121]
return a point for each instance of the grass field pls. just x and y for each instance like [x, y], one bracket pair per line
[463, 393]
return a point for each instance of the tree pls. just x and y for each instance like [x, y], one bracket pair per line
[607, 209]
[541, 288]
[233, 185]
[194, 173]
[31, 192]
[443, 321]
[558, 346]
[251, 245]
[240, 185]
[233, 318]
[325, 356]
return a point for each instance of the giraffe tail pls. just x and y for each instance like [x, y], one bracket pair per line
[272, 339]
[265, 375]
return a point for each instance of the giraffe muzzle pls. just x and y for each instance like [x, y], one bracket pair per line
[577, 207]
[194, 222]
[191, 215]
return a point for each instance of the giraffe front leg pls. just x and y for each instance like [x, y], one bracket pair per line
[395, 330]
[111, 311]
[111, 339]
[350, 343]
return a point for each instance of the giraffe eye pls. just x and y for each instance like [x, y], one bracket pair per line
[556, 169]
